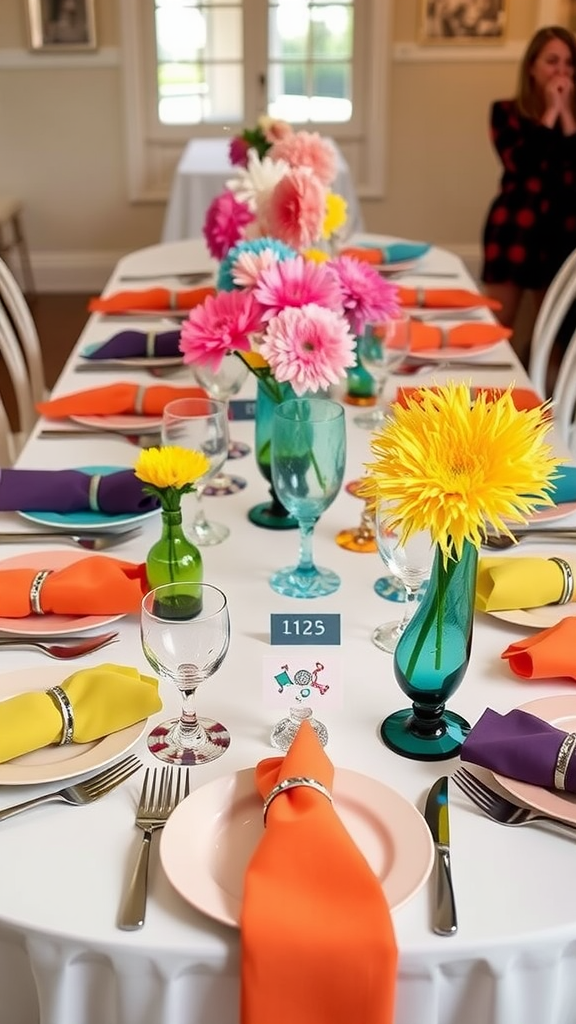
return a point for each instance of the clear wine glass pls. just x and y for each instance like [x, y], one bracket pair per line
[381, 349]
[308, 455]
[222, 384]
[185, 633]
[411, 563]
[200, 424]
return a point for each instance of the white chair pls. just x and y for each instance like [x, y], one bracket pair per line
[12, 237]
[7, 447]
[17, 368]
[564, 397]
[557, 301]
[12, 298]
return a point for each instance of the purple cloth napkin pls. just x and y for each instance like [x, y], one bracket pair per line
[133, 344]
[69, 490]
[518, 745]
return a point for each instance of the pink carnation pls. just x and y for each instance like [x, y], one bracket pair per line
[307, 149]
[238, 151]
[296, 282]
[224, 224]
[276, 129]
[310, 347]
[222, 324]
[365, 295]
[294, 210]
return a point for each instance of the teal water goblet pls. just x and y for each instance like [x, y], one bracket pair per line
[308, 455]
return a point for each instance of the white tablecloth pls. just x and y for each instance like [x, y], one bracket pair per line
[62, 869]
[202, 173]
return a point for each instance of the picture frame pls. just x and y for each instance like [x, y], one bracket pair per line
[457, 22]
[58, 26]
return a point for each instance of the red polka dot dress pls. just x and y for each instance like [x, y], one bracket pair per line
[531, 224]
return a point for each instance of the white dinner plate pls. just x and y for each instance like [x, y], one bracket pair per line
[51, 625]
[453, 353]
[559, 711]
[50, 764]
[125, 424]
[397, 266]
[566, 508]
[86, 519]
[209, 839]
[137, 362]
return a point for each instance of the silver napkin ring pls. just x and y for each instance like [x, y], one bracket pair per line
[36, 590]
[139, 399]
[150, 344]
[563, 760]
[420, 296]
[567, 580]
[292, 783]
[62, 702]
[93, 492]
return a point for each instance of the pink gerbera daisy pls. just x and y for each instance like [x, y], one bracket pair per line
[238, 151]
[223, 323]
[365, 295]
[296, 282]
[225, 220]
[310, 347]
[294, 210]
[247, 268]
[307, 149]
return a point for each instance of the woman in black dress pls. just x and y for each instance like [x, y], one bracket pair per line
[531, 224]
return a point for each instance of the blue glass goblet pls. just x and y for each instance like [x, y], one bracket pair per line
[308, 457]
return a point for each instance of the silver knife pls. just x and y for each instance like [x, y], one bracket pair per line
[436, 814]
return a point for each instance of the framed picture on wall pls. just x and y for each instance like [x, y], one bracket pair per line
[60, 25]
[462, 21]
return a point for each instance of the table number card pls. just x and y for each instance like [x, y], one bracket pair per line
[242, 409]
[303, 670]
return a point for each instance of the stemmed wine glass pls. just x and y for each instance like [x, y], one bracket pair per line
[411, 563]
[308, 457]
[185, 633]
[221, 384]
[200, 424]
[381, 349]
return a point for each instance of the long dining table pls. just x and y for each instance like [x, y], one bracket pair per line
[63, 869]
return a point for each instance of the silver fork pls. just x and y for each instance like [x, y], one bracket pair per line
[62, 651]
[83, 792]
[87, 541]
[157, 801]
[499, 808]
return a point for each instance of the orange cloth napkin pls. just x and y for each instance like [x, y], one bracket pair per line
[95, 585]
[424, 337]
[157, 299]
[444, 298]
[116, 400]
[523, 398]
[364, 254]
[318, 944]
[549, 654]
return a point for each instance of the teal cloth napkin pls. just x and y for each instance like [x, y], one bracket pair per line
[395, 252]
[565, 485]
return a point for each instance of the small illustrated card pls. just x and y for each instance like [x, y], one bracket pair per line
[302, 677]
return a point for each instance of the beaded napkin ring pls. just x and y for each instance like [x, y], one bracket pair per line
[563, 760]
[36, 590]
[291, 783]
[62, 702]
[567, 579]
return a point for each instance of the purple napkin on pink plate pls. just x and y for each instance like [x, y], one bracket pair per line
[135, 344]
[71, 490]
[520, 746]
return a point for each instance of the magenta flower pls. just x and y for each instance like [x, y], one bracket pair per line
[222, 324]
[294, 210]
[307, 149]
[365, 296]
[296, 282]
[310, 347]
[225, 220]
[238, 151]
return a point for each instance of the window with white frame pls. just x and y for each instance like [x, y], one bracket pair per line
[201, 67]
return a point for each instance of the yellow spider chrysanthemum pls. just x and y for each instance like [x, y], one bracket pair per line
[335, 216]
[452, 465]
[170, 471]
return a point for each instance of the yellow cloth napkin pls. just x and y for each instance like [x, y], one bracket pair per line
[506, 583]
[104, 699]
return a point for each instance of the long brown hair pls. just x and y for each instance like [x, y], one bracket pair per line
[529, 101]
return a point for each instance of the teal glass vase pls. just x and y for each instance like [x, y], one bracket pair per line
[430, 662]
[360, 385]
[270, 514]
[173, 558]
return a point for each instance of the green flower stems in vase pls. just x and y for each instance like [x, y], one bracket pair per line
[431, 659]
[272, 515]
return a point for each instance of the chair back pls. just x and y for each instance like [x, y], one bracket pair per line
[16, 306]
[557, 301]
[17, 368]
[564, 397]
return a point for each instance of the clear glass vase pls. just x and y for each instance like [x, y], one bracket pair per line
[270, 514]
[173, 558]
[430, 661]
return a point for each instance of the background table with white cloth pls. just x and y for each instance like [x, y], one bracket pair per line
[63, 869]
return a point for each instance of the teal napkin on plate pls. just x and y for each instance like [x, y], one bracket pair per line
[395, 252]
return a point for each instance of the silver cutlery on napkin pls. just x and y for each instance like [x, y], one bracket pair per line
[413, 365]
[499, 542]
[499, 808]
[88, 541]
[85, 792]
[436, 815]
[160, 795]
[64, 648]
[162, 363]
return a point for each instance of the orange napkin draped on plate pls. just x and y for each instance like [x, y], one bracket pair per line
[523, 398]
[317, 939]
[549, 654]
[428, 337]
[444, 298]
[156, 299]
[95, 585]
[117, 400]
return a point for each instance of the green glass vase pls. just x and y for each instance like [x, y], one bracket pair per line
[173, 558]
[270, 514]
[430, 662]
[360, 385]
